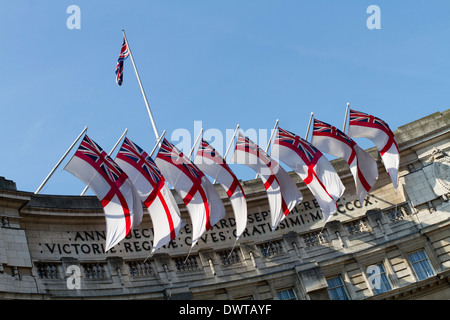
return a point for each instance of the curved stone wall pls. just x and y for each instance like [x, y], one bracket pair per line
[53, 246]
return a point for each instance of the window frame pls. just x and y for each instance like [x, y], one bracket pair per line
[287, 290]
[342, 285]
[384, 280]
[421, 272]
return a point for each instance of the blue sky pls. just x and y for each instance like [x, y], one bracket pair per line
[222, 62]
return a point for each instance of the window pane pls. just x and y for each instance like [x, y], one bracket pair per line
[338, 294]
[421, 265]
[286, 295]
[336, 289]
[334, 282]
[423, 269]
[384, 284]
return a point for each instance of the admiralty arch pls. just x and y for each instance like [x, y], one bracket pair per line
[404, 236]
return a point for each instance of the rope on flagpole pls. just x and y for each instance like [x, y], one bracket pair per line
[329, 219]
[141, 87]
[59, 162]
[323, 227]
[188, 255]
[268, 247]
[151, 253]
[232, 249]
[109, 154]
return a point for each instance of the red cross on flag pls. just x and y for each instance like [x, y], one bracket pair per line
[282, 192]
[210, 162]
[118, 196]
[199, 195]
[375, 129]
[314, 169]
[333, 141]
[153, 191]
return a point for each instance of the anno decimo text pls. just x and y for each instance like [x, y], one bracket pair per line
[304, 216]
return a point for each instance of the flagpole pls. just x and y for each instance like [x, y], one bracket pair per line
[309, 126]
[109, 154]
[117, 143]
[224, 159]
[229, 147]
[59, 162]
[195, 143]
[142, 89]
[270, 140]
[231, 142]
[158, 141]
[271, 136]
[346, 116]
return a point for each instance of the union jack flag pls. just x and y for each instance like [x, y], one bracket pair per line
[99, 159]
[116, 193]
[245, 144]
[321, 128]
[358, 118]
[221, 172]
[169, 153]
[282, 192]
[324, 129]
[124, 53]
[206, 150]
[193, 170]
[154, 193]
[309, 154]
[136, 156]
[335, 142]
[313, 168]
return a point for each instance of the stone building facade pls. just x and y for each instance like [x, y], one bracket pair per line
[395, 245]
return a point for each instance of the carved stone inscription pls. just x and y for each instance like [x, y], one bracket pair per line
[305, 216]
